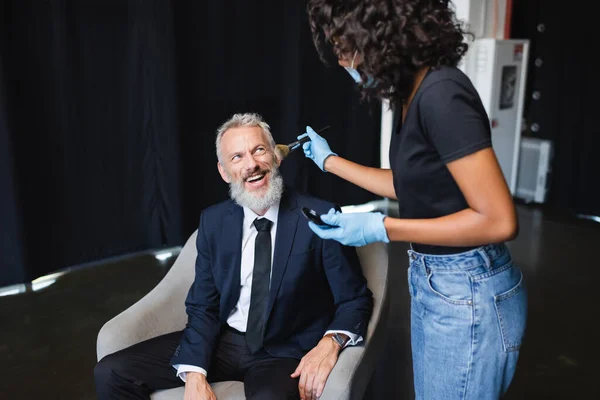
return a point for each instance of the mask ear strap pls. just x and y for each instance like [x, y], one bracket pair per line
[353, 58]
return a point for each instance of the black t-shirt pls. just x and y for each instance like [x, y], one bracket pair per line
[444, 122]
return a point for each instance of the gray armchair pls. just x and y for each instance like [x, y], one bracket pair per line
[162, 311]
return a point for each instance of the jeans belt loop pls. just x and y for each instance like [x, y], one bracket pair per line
[485, 256]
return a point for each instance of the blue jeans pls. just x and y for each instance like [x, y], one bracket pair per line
[468, 317]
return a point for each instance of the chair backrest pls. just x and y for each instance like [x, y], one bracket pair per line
[160, 311]
[178, 281]
[374, 262]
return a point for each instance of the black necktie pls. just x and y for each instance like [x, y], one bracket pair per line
[261, 278]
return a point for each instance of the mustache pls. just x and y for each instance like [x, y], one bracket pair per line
[258, 170]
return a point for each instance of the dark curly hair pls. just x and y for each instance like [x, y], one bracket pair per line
[395, 38]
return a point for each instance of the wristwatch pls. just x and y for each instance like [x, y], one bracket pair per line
[340, 339]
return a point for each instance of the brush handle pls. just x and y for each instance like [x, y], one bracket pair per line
[294, 145]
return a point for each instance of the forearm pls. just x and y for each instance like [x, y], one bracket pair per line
[184, 370]
[192, 376]
[352, 297]
[198, 340]
[464, 228]
[353, 315]
[376, 180]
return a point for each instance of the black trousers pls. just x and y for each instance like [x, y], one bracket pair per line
[137, 371]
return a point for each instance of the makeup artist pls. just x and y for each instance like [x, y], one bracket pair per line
[469, 302]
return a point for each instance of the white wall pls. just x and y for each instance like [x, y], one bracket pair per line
[387, 117]
[482, 16]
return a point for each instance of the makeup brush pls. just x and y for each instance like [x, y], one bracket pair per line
[283, 150]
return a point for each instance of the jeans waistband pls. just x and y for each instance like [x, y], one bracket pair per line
[488, 255]
[439, 250]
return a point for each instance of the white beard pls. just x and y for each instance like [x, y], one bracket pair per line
[258, 201]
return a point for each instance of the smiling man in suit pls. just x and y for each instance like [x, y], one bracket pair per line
[271, 305]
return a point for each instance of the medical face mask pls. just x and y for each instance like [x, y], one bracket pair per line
[356, 75]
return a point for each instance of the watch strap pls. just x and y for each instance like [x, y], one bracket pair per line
[340, 340]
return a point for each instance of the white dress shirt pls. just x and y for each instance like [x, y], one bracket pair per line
[238, 319]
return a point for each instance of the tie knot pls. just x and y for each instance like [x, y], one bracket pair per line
[262, 224]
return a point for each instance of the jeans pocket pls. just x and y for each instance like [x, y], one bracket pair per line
[452, 287]
[511, 309]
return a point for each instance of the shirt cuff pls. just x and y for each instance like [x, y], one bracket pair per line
[354, 338]
[183, 369]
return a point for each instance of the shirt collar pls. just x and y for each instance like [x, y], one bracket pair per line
[250, 216]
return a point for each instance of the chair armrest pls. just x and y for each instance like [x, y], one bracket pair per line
[155, 314]
[160, 311]
[352, 372]
[339, 383]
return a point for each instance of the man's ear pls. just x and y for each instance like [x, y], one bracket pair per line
[223, 173]
[276, 158]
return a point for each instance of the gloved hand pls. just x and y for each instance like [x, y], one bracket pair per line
[353, 229]
[317, 149]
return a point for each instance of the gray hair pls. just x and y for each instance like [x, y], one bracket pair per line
[243, 120]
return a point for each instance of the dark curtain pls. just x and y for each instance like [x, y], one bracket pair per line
[11, 256]
[93, 124]
[108, 111]
[258, 56]
[562, 72]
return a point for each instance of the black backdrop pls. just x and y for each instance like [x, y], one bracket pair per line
[564, 44]
[108, 110]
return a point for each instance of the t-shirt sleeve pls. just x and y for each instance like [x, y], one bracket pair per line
[454, 119]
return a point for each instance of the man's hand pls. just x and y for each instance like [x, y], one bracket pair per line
[315, 367]
[197, 387]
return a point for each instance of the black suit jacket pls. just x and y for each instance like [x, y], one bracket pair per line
[316, 284]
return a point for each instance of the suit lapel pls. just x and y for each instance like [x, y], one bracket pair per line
[231, 237]
[287, 222]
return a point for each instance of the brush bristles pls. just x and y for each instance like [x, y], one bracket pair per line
[282, 151]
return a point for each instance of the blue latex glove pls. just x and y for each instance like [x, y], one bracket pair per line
[353, 229]
[317, 149]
